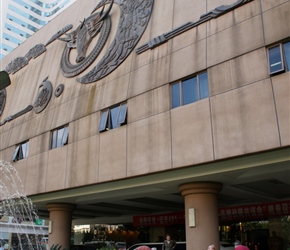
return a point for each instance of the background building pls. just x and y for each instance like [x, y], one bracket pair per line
[22, 18]
[180, 108]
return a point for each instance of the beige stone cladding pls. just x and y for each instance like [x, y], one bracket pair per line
[240, 125]
[278, 14]
[281, 88]
[246, 112]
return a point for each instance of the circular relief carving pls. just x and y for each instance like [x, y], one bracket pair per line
[58, 91]
[2, 100]
[134, 17]
[43, 96]
[80, 39]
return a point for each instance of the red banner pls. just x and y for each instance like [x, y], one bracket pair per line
[254, 211]
[159, 219]
[237, 213]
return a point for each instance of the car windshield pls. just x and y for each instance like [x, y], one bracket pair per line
[226, 244]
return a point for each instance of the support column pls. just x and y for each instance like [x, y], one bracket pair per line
[60, 214]
[202, 197]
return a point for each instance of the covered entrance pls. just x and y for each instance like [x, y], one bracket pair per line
[252, 179]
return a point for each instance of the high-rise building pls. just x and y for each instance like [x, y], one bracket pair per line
[22, 18]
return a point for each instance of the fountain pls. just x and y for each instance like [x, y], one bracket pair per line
[18, 215]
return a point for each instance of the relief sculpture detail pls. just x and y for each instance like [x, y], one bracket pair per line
[134, 18]
[81, 38]
[2, 100]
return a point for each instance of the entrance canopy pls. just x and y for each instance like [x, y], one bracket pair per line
[252, 179]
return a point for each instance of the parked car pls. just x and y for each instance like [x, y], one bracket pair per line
[180, 246]
[158, 245]
[93, 245]
[120, 245]
[101, 244]
[226, 246]
[82, 247]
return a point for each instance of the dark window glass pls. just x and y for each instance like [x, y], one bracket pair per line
[60, 133]
[59, 137]
[286, 47]
[15, 156]
[54, 139]
[114, 112]
[175, 95]
[275, 59]
[65, 136]
[203, 85]
[113, 117]
[189, 91]
[103, 121]
[122, 114]
[21, 151]
[24, 148]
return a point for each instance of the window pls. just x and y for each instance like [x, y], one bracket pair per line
[189, 90]
[279, 58]
[21, 151]
[59, 137]
[113, 117]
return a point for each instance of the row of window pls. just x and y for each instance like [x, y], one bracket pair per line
[182, 93]
[59, 138]
[111, 118]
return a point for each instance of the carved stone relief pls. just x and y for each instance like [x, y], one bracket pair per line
[59, 34]
[135, 15]
[20, 62]
[2, 100]
[221, 10]
[58, 91]
[20, 113]
[43, 96]
[36, 51]
[16, 65]
[134, 18]
[81, 38]
[41, 101]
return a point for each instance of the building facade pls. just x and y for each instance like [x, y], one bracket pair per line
[127, 109]
[21, 19]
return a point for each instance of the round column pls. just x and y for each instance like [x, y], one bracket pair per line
[201, 214]
[60, 215]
